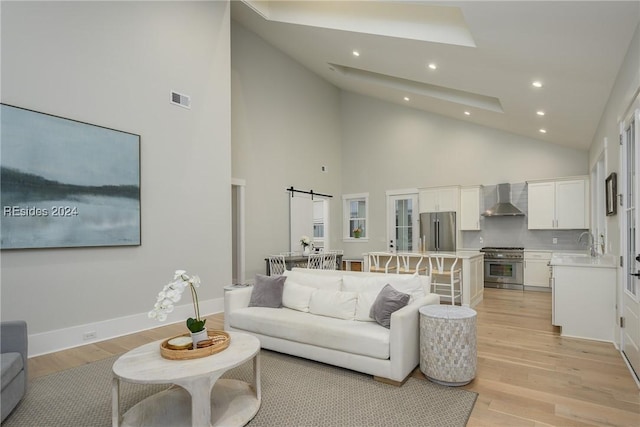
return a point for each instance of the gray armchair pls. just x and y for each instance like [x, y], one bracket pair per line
[13, 354]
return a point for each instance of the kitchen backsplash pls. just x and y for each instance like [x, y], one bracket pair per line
[512, 230]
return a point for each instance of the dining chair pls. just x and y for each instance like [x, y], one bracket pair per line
[446, 277]
[329, 262]
[316, 261]
[277, 265]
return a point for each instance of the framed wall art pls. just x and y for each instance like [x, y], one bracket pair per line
[611, 191]
[67, 183]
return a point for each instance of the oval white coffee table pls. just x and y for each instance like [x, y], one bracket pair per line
[202, 398]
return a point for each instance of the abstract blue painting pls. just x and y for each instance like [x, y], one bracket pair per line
[66, 183]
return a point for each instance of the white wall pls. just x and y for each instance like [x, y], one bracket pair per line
[625, 88]
[286, 125]
[114, 64]
[387, 147]
[626, 85]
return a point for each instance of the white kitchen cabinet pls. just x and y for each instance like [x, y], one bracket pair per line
[558, 205]
[470, 208]
[537, 272]
[439, 199]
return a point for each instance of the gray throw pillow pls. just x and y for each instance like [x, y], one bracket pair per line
[387, 301]
[267, 291]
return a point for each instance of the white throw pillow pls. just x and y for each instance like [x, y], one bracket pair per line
[341, 305]
[426, 284]
[318, 281]
[408, 284]
[352, 283]
[295, 296]
[363, 306]
[411, 284]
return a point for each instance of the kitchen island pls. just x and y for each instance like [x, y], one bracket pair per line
[472, 272]
[584, 295]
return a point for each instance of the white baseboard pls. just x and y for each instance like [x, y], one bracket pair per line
[61, 339]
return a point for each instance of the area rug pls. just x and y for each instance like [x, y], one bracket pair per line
[295, 392]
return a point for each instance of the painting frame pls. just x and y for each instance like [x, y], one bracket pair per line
[66, 183]
[611, 191]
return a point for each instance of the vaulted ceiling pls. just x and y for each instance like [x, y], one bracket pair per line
[484, 56]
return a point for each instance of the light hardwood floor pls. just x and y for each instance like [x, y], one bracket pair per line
[527, 374]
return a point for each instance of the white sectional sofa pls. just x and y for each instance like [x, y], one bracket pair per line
[325, 317]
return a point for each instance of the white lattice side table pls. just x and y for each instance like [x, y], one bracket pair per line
[448, 349]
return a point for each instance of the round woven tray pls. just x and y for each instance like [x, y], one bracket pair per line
[221, 341]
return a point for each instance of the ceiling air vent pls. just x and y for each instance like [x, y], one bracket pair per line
[180, 99]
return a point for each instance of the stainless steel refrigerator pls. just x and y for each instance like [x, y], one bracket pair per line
[438, 231]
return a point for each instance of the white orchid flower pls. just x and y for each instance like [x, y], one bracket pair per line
[172, 292]
[174, 295]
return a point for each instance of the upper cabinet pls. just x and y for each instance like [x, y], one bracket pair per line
[559, 204]
[470, 208]
[439, 199]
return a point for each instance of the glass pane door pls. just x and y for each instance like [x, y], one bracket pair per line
[631, 211]
[403, 223]
[630, 296]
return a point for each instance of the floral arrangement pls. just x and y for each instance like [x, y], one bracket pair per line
[305, 241]
[171, 294]
[357, 232]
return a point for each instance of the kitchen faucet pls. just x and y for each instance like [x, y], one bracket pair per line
[591, 243]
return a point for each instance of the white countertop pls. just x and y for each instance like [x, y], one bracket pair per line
[464, 254]
[578, 259]
[457, 254]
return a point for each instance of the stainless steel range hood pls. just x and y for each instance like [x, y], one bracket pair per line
[503, 207]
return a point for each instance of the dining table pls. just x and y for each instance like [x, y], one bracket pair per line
[300, 260]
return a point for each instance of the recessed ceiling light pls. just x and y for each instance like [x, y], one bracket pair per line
[467, 113]
[543, 131]
[432, 66]
[406, 98]
[540, 113]
[537, 83]
[356, 53]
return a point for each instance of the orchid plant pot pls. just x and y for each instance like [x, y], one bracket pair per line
[199, 336]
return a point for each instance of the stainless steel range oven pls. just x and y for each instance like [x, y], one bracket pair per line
[503, 267]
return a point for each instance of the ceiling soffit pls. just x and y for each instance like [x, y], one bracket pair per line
[414, 21]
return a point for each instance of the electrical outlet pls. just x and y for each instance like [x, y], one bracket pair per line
[90, 335]
[555, 241]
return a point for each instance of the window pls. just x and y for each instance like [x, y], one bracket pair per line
[356, 215]
[318, 223]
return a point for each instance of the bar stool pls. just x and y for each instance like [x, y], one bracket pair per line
[376, 259]
[446, 279]
[410, 263]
